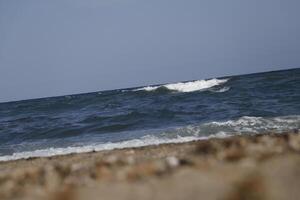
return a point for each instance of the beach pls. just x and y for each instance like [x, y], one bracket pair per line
[262, 166]
[149, 100]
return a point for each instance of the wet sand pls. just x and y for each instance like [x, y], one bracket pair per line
[265, 166]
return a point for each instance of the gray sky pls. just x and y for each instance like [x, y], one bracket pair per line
[56, 47]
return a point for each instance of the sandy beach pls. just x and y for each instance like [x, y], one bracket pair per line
[264, 166]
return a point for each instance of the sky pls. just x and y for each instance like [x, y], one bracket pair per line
[57, 47]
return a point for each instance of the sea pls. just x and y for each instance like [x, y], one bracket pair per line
[151, 115]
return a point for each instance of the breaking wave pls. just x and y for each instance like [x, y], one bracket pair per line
[144, 141]
[240, 126]
[186, 86]
[252, 125]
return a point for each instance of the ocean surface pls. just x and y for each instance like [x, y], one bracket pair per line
[174, 112]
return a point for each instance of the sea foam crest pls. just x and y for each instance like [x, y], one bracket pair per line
[249, 124]
[187, 86]
[144, 141]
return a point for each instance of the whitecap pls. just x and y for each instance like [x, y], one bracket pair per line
[250, 124]
[187, 86]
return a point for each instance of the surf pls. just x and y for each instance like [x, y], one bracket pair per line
[246, 125]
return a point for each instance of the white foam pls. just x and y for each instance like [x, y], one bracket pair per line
[148, 88]
[248, 124]
[144, 141]
[187, 86]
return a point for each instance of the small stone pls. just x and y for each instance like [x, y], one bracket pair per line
[205, 148]
[160, 167]
[103, 172]
[294, 142]
[232, 154]
[76, 167]
[130, 160]
[172, 162]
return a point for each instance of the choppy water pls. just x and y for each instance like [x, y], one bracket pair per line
[176, 112]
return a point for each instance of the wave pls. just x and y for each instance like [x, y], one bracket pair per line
[144, 141]
[249, 124]
[242, 125]
[187, 86]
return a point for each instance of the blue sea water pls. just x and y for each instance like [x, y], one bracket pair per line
[175, 112]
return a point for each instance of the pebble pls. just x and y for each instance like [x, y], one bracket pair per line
[172, 161]
[111, 160]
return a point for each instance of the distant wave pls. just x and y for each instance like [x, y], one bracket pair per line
[187, 86]
[243, 125]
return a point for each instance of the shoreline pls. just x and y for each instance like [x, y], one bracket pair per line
[91, 149]
[238, 167]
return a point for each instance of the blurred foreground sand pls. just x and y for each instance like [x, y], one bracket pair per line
[259, 167]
